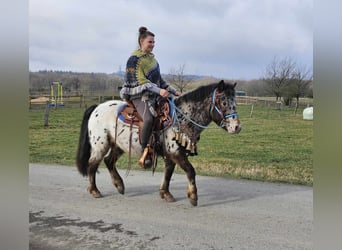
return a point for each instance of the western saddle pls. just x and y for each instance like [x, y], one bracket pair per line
[128, 114]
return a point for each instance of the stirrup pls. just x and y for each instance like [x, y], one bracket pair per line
[145, 161]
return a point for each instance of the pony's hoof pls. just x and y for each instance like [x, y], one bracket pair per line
[121, 189]
[193, 202]
[119, 186]
[193, 199]
[167, 197]
[96, 194]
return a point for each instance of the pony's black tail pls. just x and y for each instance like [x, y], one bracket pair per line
[83, 151]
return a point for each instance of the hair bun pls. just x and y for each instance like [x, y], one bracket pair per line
[142, 29]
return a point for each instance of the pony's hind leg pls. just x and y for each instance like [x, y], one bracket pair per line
[164, 187]
[92, 188]
[96, 157]
[110, 161]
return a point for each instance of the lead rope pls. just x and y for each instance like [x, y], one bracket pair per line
[155, 162]
[129, 150]
[116, 128]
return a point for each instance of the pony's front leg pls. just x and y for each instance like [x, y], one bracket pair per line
[191, 174]
[164, 187]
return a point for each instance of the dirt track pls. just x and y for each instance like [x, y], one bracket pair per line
[231, 214]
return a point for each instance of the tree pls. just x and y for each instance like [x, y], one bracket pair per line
[178, 79]
[75, 84]
[301, 79]
[277, 76]
[299, 84]
[284, 78]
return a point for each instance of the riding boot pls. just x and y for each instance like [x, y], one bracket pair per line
[145, 160]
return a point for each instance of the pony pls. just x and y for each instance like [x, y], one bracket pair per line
[104, 137]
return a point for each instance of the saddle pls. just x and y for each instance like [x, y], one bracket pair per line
[163, 111]
[128, 114]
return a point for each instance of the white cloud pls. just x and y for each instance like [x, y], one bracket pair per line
[219, 38]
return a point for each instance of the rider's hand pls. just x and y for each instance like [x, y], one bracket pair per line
[178, 93]
[164, 93]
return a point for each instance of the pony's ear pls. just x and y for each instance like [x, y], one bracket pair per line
[220, 86]
[234, 84]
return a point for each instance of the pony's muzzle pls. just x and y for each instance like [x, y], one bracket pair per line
[233, 126]
[238, 129]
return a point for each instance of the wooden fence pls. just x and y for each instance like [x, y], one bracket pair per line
[270, 101]
[84, 101]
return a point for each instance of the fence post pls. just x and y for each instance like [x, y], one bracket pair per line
[55, 101]
[296, 108]
[279, 105]
[46, 114]
[250, 115]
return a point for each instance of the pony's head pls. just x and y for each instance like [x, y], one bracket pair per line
[223, 107]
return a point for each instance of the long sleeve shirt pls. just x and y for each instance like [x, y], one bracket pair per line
[142, 76]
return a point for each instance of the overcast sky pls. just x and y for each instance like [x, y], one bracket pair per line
[233, 39]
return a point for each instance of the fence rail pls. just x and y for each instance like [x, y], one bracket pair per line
[270, 101]
[83, 101]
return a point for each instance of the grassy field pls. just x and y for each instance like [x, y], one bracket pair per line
[274, 145]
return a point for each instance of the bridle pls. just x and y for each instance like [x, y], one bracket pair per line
[215, 106]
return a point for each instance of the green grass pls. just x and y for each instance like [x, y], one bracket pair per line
[273, 145]
[58, 142]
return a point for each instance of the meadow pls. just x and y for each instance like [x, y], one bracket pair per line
[274, 145]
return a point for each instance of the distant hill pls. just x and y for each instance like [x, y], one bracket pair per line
[80, 82]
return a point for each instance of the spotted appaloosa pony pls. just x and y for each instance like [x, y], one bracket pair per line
[104, 136]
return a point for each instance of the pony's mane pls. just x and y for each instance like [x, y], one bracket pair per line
[201, 92]
[197, 94]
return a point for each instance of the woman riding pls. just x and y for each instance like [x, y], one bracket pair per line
[143, 83]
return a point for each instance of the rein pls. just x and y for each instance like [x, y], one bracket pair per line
[213, 107]
[186, 117]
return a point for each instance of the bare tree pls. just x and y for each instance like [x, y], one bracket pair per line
[299, 85]
[278, 74]
[75, 84]
[178, 79]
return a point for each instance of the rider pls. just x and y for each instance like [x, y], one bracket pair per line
[143, 83]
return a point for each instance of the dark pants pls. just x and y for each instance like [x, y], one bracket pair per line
[144, 112]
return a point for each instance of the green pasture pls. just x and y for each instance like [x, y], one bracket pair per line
[274, 145]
